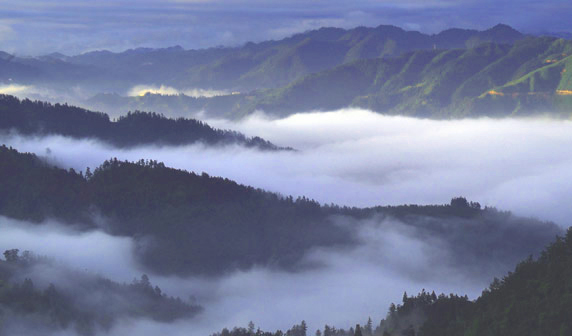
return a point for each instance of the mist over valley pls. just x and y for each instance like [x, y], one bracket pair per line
[363, 169]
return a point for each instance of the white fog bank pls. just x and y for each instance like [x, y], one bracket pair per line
[360, 158]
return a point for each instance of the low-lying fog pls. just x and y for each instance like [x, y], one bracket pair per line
[352, 284]
[359, 158]
[348, 157]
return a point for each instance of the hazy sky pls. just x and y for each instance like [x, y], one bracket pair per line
[34, 27]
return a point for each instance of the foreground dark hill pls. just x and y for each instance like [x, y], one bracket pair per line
[37, 118]
[535, 300]
[252, 66]
[75, 300]
[184, 223]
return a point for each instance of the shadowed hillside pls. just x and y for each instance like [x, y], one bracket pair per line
[184, 223]
[138, 128]
[78, 300]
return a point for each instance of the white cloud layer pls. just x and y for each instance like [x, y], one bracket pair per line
[359, 158]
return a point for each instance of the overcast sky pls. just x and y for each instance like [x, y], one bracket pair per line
[35, 27]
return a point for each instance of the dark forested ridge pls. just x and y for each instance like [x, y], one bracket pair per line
[186, 223]
[535, 299]
[76, 300]
[138, 128]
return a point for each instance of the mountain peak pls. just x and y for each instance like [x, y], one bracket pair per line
[503, 28]
[501, 33]
[5, 56]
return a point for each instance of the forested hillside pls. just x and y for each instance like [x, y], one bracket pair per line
[186, 223]
[78, 300]
[535, 300]
[38, 118]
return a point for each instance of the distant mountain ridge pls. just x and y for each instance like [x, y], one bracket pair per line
[530, 77]
[456, 73]
[261, 65]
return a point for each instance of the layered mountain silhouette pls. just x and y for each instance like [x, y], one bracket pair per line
[531, 76]
[37, 118]
[456, 73]
[252, 66]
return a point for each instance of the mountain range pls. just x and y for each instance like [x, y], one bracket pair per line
[530, 77]
[252, 66]
[456, 73]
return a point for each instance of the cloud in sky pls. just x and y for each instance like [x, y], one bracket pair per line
[77, 26]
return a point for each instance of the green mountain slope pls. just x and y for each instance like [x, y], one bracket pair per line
[268, 64]
[531, 76]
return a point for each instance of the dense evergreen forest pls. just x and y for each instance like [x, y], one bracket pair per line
[534, 300]
[187, 223]
[136, 128]
[77, 300]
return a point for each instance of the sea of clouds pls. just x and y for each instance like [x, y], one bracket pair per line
[348, 157]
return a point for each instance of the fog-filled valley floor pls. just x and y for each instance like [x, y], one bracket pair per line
[349, 264]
